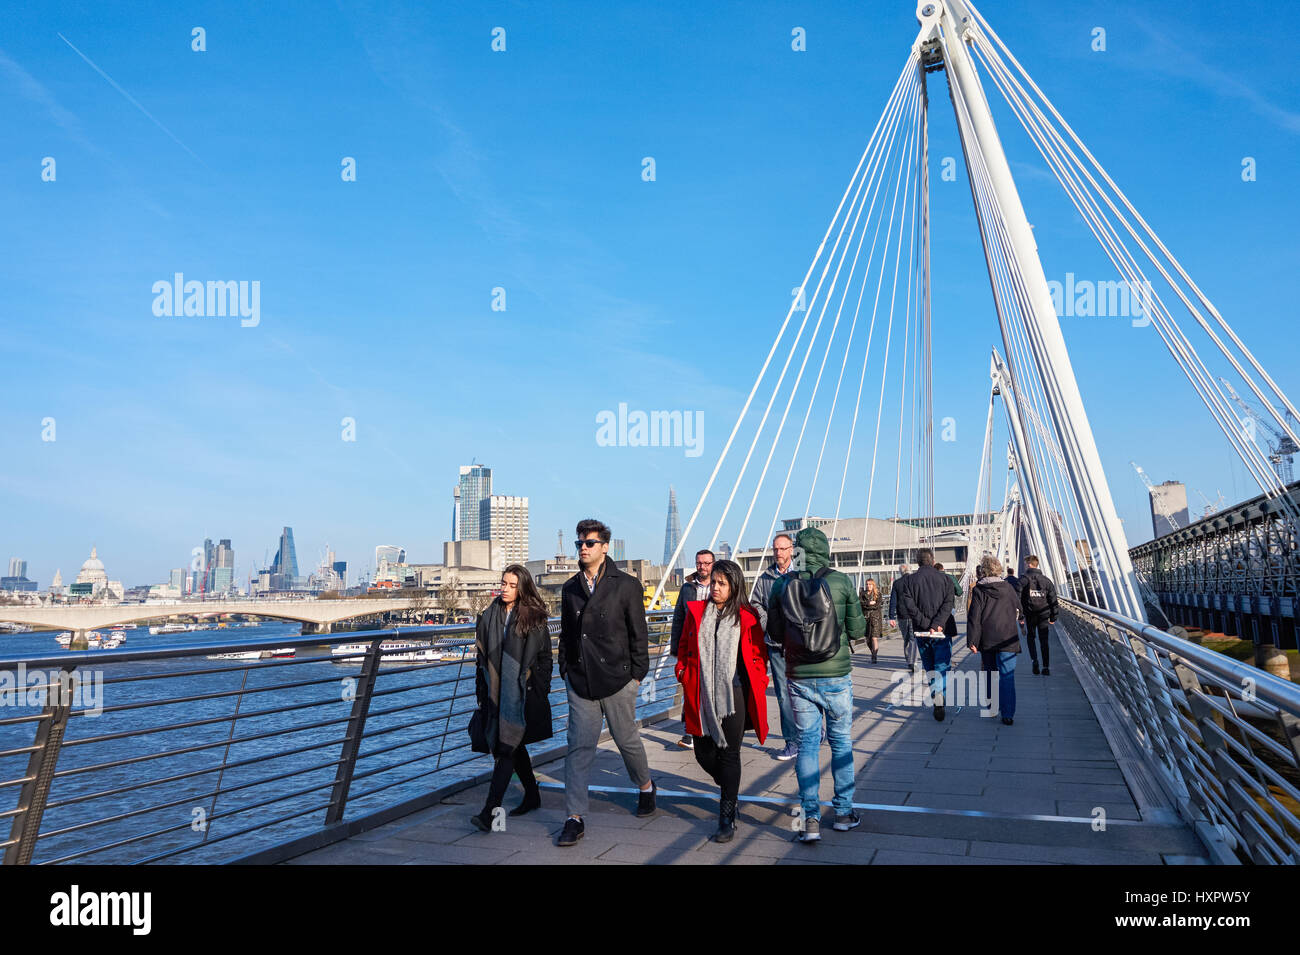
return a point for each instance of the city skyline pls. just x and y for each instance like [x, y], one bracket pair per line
[459, 184]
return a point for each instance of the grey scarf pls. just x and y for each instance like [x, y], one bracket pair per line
[719, 643]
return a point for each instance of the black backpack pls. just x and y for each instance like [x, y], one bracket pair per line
[807, 623]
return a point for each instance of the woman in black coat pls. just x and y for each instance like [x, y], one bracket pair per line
[991, 631]
[513, 683]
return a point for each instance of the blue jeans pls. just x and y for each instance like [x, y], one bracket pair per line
[1005, 664]
[789, 732]
[831, 697]
[936, 657]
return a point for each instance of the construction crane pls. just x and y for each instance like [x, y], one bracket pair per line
[1211, 507]
[1173, 523]
[1282, 448]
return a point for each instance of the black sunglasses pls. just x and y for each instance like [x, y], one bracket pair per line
[589, 542]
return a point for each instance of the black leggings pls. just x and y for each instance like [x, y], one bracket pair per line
[1042, 639]
[507, 766]
[724, 764]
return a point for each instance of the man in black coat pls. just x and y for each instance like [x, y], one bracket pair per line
[898, 618]
[604, 654]
[926, 600]
[1039, 604]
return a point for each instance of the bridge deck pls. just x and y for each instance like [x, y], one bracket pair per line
[967, 790]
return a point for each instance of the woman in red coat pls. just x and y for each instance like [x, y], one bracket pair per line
[722, 667]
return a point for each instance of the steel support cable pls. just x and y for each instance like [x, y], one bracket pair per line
[988, 30]
[985, 477]
[992, 231]
[785, 368]
[799, 378]
[744, 411]
[1251, 455]
[875, 310]
[844, 364]
[1175, 340]
[1085, 493]
[848, 285]
[871, 481]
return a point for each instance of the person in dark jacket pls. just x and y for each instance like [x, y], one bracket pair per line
[783, 551]
[512, 680]
[604, 654]
[693, 588]
[869, 597]
[897, 618]
[926, 600]
[991, 631]
[1039, 605]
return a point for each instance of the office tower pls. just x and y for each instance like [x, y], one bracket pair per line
[176, 579]
[475, 487]
[209, 563]
[284, 569]
[221, 573]
[340, 568]
[617, 549]
[389, 553]
[672, 529]
[504, 518]
[455, 513]
[1168, 508]
[17, 568]
[722, 551]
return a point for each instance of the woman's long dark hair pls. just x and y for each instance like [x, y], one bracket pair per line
[736, 581]
[528, 602]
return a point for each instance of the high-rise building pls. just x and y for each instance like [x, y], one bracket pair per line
[1168, 508]
[617, 549]
[221, 569]
[390, 553]
[284, 569]
[17, 568]
[176, 579]
[672, 530]
[723, 551]
[341, 569]
[503, 518]
[475, 487]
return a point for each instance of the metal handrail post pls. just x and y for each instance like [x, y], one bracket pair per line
[25, 829]
[356, 727]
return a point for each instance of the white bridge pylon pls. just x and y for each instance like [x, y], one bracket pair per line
[1060, 486]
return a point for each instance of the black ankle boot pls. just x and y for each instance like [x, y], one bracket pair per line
[532, 800]
[483, 821]
[726, 821]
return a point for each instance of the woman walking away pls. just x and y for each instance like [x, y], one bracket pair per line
[991, 630]
[722, 667]
[512, 682]
[869, 597]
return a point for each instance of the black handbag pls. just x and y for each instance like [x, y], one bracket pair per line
[478, 740]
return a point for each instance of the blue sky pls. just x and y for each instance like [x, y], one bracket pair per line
[522, 170]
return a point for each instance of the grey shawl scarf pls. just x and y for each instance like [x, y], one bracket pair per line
[719, 644]
[504, 659]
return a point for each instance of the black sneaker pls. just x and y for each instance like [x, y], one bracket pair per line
[1007, 721]
[645, 804]
[1035, 667]
[939, 712]
[1046, 672]
[573, 830]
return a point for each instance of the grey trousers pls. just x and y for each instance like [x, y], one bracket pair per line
[619, 711]
[910, 652]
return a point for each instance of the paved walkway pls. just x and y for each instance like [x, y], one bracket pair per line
[967, 790]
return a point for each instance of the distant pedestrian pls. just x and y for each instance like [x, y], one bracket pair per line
[783, 551]
[991, 631]
[822, 690]
[512, 680]
[1039, 605]
[604, 654]
[722, 667]
[695, 587]
[872, 605]
[898, 618]
[927, 601]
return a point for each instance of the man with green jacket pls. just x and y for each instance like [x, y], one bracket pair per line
[824, 690]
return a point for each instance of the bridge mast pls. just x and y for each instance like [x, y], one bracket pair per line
[944, 28]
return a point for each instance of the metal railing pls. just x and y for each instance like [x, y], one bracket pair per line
[1220, 736]
[165, 755]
